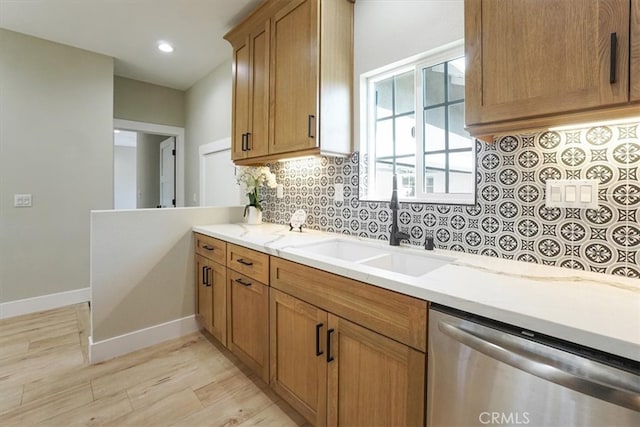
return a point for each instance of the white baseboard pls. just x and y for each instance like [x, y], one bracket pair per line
[123, 344]
[44, 302]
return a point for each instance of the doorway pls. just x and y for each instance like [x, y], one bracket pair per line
[159, 158]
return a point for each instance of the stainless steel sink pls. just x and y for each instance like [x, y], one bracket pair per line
[400, 260]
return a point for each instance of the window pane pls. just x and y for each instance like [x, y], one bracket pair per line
[384, 94]
[383, 180]
[456, 79]
[433, 78]
[406, 177]
[435, 181]
[435, 168]
[458, 137]
[405, 93]
[434, 129]
[461, 178]
[405, 136]
[384, 138]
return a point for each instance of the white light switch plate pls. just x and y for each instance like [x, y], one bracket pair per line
[572, 193]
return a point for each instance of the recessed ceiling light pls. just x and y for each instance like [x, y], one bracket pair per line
[165, 47]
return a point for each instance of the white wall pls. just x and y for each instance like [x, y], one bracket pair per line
[208, 112]
[56, 143]
[124, 177]
[142, 268]
[145, 102]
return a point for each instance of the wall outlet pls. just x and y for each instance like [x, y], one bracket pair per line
[22, 200]
[572, 193]
[338, 194]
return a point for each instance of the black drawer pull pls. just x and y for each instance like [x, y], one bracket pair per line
[248, 136]
[244, 142]
[204, 275]
[243, 283]
[207, 247]
[243, 262]
[318, 349]
[612, 60]
[329, 356]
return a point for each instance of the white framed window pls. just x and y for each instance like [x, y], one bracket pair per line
[415, 129]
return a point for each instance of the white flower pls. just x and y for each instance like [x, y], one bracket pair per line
[251, 178]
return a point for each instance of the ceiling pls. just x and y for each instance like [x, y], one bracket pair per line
[129, 30]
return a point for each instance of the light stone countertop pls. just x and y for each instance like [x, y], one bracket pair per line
[590, 309]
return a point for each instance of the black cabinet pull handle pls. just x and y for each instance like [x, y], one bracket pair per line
[244, 142]
[248, 139]
[207, 247]
[329, 356]
[319, 351]
[310, 130]
[612, 64]
[204, 275]
[243, 283]
[208, 276]
[243, 262]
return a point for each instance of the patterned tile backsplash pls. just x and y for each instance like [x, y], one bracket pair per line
[510, 219]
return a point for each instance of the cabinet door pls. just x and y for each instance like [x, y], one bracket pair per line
[528, 58]
[248, 322]
[257, 140]
[211, 297]
[218, 288]
[204, 293]
[373, 380]
[298, 355]
[635, 50]
[240, 100]
[294, 77]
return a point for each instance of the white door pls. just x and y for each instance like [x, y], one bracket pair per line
[218, 185]
[167, 173]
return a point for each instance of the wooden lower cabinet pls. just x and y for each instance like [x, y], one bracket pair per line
[372, 380]
[211, 297]
[337, 373]
[248, 322]
[298, 355]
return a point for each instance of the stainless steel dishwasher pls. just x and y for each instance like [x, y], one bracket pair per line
[482, 372]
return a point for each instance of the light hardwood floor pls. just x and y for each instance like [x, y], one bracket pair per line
[46, 380]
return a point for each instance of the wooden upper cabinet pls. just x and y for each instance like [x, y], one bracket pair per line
[635, 50]
[294, 84]
[540, 58]
[251, 95]
[293, 80]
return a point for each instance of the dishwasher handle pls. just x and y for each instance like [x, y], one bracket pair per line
[545, 367]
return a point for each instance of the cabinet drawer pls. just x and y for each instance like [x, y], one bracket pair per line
[400, 317]
[248, 262]
[211, 248]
